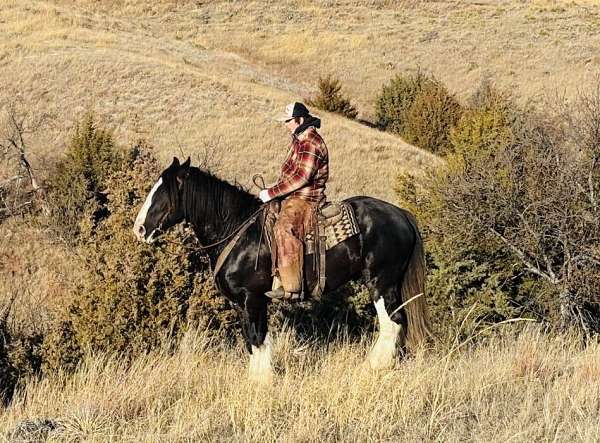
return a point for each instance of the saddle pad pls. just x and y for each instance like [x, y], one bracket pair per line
[345, 226]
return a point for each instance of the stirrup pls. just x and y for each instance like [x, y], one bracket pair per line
[282, 294]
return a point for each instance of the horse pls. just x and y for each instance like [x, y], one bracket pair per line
[388, 253]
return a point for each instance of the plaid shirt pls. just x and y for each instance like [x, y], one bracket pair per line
[305, 170]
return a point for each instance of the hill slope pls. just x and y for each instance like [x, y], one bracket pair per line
[189, 74]
[182, 97]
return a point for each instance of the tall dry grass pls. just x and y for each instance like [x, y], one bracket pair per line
[515, 387]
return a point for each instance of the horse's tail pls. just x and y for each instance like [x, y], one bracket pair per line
[413, 285]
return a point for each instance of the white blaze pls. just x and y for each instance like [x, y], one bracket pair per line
[260, 369]
[141, 217]
[383, 352]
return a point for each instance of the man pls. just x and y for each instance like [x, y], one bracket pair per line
[301, 185]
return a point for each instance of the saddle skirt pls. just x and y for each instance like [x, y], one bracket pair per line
[336, 222]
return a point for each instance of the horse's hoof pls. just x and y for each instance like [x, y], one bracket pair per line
[381, 365]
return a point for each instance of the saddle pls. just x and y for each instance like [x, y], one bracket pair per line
[334, 222]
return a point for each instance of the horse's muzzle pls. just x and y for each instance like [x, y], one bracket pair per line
[139, 231]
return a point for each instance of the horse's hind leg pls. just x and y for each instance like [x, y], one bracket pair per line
[254, 324]
[386, 299]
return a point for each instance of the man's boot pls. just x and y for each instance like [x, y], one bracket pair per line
[289, 278]
[282, 294]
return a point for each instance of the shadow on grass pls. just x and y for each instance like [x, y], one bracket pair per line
[346, 313]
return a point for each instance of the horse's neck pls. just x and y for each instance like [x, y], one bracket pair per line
[220, 211]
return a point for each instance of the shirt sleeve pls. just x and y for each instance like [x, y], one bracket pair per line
[302, 171]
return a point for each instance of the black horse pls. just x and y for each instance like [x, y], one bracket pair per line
[388, 254]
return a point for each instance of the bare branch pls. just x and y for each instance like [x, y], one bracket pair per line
[523, 257]
[550, 276]
[591, 185]
[17, 124]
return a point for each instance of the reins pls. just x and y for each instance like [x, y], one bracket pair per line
[212, 245]
[255, 179]
[236, 231]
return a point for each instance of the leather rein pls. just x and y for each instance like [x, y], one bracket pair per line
[243, 227]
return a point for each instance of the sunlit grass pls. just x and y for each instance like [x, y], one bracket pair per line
[527, 386]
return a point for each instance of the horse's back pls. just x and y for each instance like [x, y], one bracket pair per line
[379, 212]
[384, 226]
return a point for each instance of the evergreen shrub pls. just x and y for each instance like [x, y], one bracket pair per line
[473, 279]
[420, 109]
[330, 98]
[132, 296]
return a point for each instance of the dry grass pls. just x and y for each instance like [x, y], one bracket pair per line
[37, 272]
[530, 388]
[527, 46]
[146, 79]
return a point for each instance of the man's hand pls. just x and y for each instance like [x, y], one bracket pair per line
[264, 195]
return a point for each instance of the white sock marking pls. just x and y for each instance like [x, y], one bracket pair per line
[260, 369]
[383, 352]
[141, 217]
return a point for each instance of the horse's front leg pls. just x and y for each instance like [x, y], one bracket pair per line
[258, 342]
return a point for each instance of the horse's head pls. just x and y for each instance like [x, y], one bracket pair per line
[162, 208]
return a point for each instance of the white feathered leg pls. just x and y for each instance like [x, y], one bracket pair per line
[383, 352]
[260, 369]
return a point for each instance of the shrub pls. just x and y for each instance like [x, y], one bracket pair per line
[473, 274]
[348, 311]
[518, 199]
[487, 125]
[430, 117]
[331, 99]
[133, 295]
[20, 352]
[472, 281]
[419, 109]
[77, 187]
[395, 100]
[209, 310]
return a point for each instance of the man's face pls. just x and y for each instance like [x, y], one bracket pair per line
[291, 124]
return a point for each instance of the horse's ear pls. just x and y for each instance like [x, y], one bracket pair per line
[175, 162]
[183, 172]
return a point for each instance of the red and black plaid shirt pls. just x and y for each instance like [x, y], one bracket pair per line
[305, 170]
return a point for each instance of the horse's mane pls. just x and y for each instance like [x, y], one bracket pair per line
[207, 197]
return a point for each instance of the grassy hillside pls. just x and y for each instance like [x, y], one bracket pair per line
[187, 74]
[145, 80]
